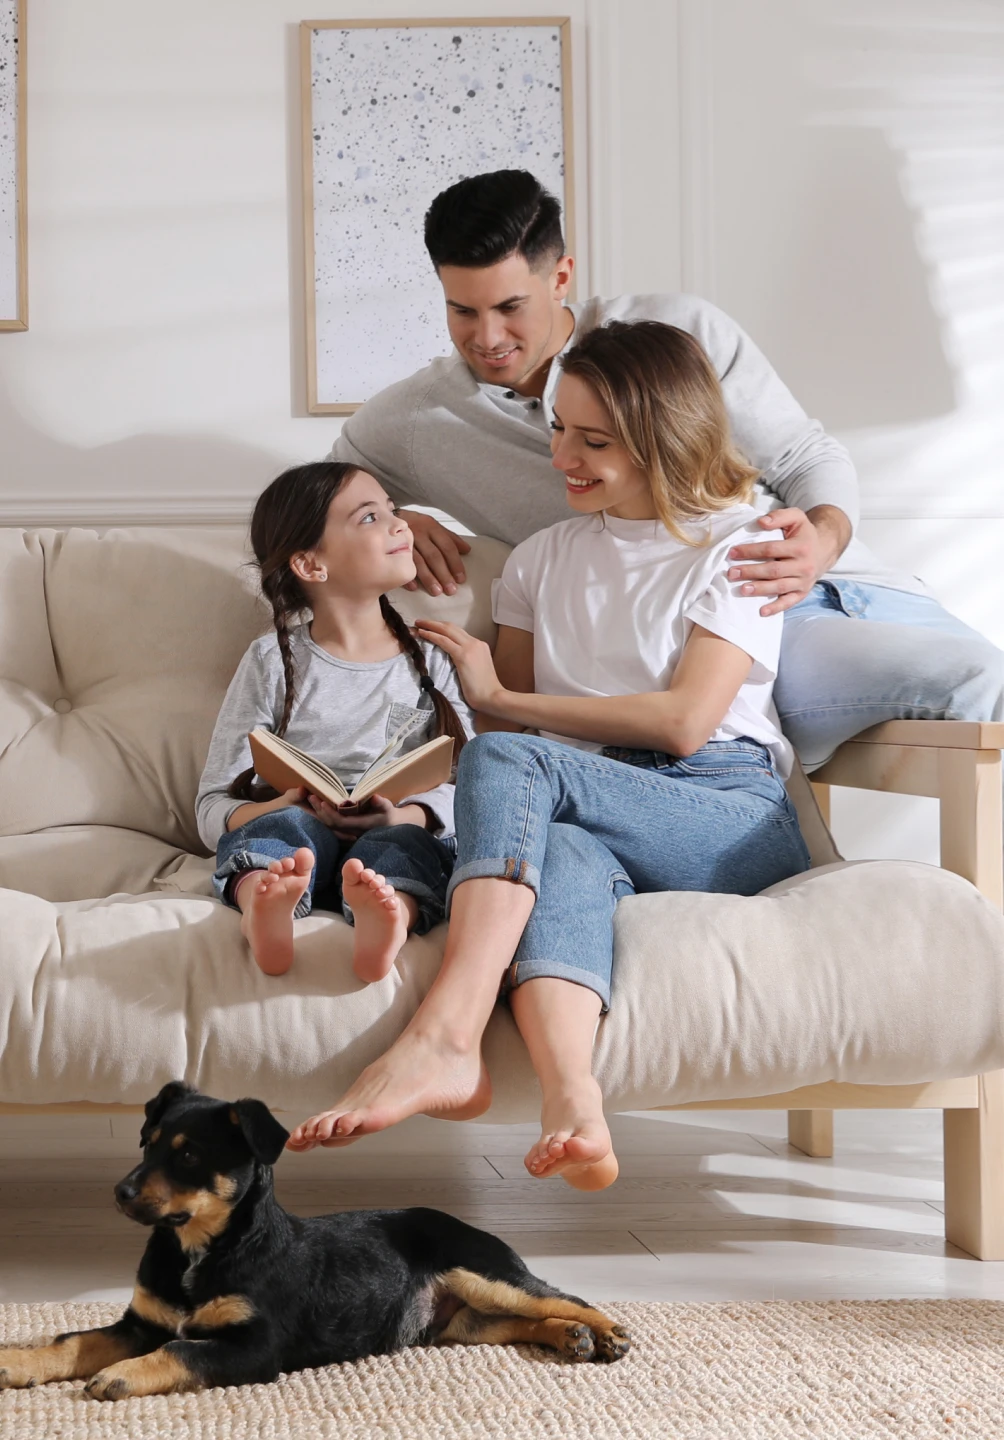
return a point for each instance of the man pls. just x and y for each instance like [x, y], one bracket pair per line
[470, 435]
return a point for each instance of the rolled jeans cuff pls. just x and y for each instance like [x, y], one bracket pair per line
[520, 971]
[516, 870]
[238, 864]
[431, 908]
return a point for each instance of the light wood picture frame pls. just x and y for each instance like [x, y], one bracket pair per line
[392, 112]
[13, 167]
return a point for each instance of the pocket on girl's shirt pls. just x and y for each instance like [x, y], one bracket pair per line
[416, 717]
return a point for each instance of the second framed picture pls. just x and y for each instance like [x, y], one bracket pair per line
[393, 112]
[13, 221]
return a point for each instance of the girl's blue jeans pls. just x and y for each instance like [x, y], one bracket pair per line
[583, 830]
[413, 861]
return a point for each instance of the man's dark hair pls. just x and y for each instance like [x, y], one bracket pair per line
[486, 218]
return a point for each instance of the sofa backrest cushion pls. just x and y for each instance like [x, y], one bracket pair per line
[116, 649]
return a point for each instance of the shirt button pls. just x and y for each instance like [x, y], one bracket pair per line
[534, 404]
[62, 706]
[510, 394]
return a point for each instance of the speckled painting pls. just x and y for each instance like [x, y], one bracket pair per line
[11, 157]
[397, 113]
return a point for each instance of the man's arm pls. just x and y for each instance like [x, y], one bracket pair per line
[809, 470]
[787, 569]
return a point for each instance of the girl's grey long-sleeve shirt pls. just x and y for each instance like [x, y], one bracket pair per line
[482, 453]
[344, 715]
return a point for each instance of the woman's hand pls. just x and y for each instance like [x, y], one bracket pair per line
[473, 658]
[378, 812]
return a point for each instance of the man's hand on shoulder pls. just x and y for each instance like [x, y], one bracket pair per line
[437, 554]
[787, 569]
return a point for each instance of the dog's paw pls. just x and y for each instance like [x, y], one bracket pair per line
[612, 1344]
[578, 1342]
[107, 1385]
[19, 1370]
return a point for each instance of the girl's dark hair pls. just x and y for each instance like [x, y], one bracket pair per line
[486, 218]
[289, 516]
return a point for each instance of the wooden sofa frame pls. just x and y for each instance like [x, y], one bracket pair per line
[958, 763]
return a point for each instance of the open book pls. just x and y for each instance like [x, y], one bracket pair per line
[393, 775]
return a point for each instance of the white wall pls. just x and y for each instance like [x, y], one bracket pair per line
[162, 377]
[827, 170]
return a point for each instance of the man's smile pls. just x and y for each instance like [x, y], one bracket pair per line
[497, 357]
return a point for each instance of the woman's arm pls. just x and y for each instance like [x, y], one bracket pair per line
[678, 720]
[513, 659]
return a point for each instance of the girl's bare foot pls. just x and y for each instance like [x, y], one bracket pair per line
[419, 1074]
[575, 1141]
[267, 899]
[382, 919]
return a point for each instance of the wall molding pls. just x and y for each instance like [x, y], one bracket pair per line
[32, 512]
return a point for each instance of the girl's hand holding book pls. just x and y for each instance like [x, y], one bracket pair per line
[351, 821]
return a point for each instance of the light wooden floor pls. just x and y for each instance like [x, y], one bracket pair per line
[708, 1207]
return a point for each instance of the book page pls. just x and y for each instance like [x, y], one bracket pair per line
[393, 746]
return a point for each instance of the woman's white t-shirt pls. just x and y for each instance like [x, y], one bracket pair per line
[611, 604]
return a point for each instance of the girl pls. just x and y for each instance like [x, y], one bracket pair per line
[327, 539]
[658, 765]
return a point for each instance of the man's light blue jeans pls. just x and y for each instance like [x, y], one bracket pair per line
[583, 830]
[854, 655]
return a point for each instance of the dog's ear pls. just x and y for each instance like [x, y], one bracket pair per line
[262, 1131]
[173, 1090]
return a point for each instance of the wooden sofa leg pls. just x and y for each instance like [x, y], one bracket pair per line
[974, 1173]
[811, 1131]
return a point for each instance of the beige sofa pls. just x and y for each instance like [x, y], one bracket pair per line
[857, 984]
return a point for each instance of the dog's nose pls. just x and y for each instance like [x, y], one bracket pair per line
[125, 1191]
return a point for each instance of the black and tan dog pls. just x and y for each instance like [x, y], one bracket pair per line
[233, 1290]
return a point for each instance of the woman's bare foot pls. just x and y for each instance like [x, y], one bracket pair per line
[382, 919]
[419, 1074]
[267, 899]
[575, 1141]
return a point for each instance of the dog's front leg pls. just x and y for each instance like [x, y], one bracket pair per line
[185, 1365]
[78, 1354]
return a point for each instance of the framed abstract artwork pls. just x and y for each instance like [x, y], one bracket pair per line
[393, 112]
[13, 219]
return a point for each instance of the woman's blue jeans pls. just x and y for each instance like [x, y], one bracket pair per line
[583, 830]
[413, 861]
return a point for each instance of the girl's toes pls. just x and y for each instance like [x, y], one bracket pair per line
[301, 861]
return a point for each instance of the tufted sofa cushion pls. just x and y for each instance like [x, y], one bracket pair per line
[853, 972]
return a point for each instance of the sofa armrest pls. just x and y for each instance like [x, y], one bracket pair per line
[939, 734]
[958, 762]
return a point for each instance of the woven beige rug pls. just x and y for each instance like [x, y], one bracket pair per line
[769, 1371]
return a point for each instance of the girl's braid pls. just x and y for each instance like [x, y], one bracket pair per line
[447, 720]
[283, 593]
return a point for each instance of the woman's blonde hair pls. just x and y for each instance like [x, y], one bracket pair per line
[666, 408]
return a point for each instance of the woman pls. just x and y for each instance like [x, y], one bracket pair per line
[659, 763]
